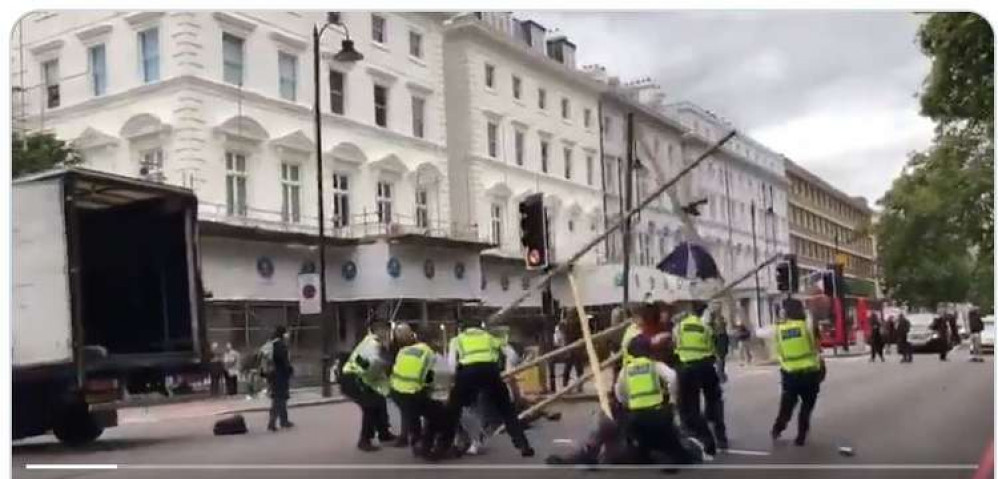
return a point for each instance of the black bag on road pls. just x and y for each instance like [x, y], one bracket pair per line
[230, 426]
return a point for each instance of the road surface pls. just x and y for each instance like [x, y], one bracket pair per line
[929, 419]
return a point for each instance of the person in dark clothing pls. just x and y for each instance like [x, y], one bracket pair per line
[976, 325]
[954, 331]
[890, 326]
[876, 339]
[721, 345]
[279, 380]
[904, 347]
[941, 328]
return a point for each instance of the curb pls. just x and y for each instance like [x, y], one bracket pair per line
[265, 408]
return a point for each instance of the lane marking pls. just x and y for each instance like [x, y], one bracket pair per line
[746, 452]
[70, 466]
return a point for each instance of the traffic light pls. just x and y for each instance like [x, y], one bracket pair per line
[533, 231]
[833, 281]
[786, 274]
[783, 277]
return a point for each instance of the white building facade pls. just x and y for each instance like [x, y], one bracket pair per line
[221, 102]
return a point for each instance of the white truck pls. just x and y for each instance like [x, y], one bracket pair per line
[107, 298]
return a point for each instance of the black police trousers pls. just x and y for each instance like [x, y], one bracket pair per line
[698, 378]
[373, 408]
[421, 417]
[469, 382]
[803, 386]
[654, 431]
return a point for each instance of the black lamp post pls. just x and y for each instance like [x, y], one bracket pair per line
[347, 54]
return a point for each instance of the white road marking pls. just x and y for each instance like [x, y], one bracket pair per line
[745, 452]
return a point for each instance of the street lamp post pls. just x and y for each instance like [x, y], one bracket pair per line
[347, 54]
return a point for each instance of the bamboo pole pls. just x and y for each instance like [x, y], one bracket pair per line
[590, 349]
[568, 347]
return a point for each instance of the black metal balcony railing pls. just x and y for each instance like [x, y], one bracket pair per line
[365, 224]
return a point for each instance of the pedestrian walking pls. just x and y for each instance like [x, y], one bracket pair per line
[216, 370]
[876, 339]
[412, 388]
[721, 342]
[231, 361]
[365, 382]
[890, 338]
[941, 328]
[904, 347]
[697, 376]
[475, 355]
[976, 327]
[278, 375]
[743, 336]
[575, 359]
[801, 370]
[643, 387]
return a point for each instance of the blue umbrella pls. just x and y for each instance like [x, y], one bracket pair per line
[689, 261]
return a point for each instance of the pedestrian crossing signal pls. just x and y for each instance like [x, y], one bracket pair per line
[533, 231]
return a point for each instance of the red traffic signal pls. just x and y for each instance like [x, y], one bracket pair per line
[533, 231]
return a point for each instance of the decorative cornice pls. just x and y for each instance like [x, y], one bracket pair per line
[381, 75]
[288, 41]
[237, 25]
[93, 34]
[47, 47]
[419, 88]
[142, 19]
[296, 141]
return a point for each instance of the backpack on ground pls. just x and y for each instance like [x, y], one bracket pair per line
[230, 426]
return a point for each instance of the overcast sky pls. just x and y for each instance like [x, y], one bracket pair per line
[834, 91]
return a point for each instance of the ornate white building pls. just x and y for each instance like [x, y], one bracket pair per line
[429, 144]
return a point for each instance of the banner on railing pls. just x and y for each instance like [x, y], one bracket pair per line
[309, 301]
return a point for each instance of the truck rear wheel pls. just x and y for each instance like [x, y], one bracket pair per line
[76, 426]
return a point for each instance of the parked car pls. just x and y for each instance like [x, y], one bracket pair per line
[988, 334]
[921, 336]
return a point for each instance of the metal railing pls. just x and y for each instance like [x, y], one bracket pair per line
[360, 225]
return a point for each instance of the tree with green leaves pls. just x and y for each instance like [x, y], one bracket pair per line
[936, 231]
[36, 152]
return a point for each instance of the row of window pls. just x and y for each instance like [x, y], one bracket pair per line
[236, 201]
[493, 142]
[822, 199]
[826, 254]
[148, 47]
[516, 88]
[823, 227]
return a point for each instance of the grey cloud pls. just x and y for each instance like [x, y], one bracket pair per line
[763, 69]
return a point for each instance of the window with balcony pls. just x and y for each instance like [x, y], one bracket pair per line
[232, 59]
[290, 193]
[497, 224]
[337, 91]
[149, 54]
[235, 183]
[341, 200]
[384, 202]
[287, 66]
[422, 208]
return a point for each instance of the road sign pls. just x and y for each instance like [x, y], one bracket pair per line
[308, 294]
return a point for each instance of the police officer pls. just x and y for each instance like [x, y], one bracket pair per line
[365, 381]
[476, 356]
[697, 375]
[412, 389]
[801, 370]
[643, 387]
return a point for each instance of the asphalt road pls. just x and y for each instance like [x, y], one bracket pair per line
[924, 420]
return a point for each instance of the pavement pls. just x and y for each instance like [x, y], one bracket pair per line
[929, 419]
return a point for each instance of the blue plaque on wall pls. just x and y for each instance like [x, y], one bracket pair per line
[504, 282]
[429, 269]
[349, 270]
[394, 267]
[265, 267]
[459, 271]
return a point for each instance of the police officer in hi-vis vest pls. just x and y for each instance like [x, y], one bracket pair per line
[697, 375]
[412, 389]
[365, 381]
[645, 388]
[475, 355]
[801, 369]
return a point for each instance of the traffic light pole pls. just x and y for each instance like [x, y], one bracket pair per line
[628, 202]
[565, 266]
